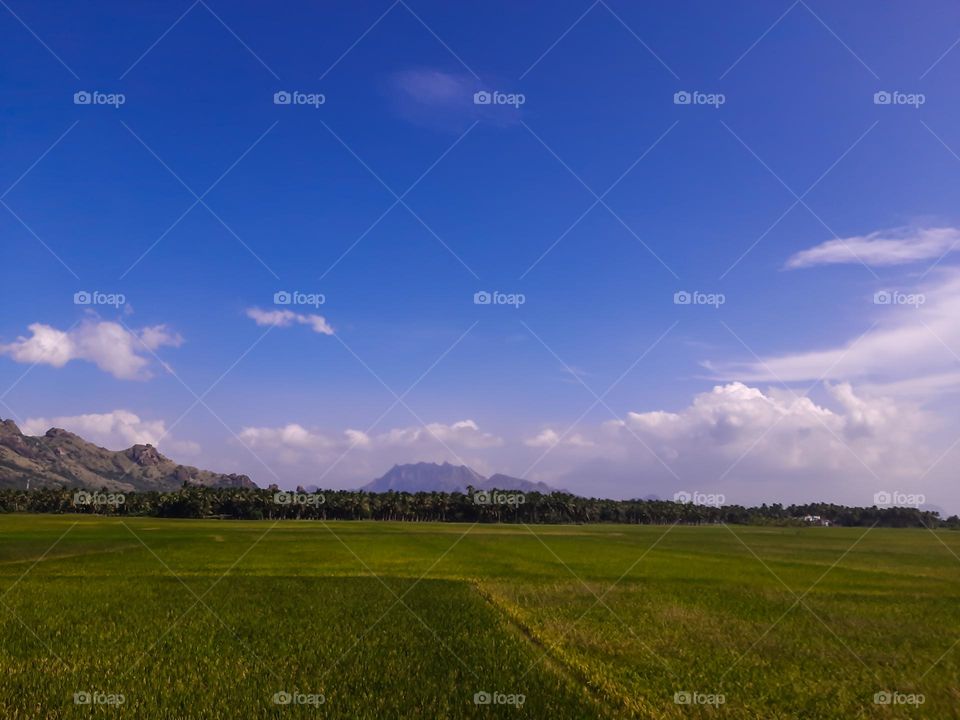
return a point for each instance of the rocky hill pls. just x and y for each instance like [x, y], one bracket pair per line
[62, 459]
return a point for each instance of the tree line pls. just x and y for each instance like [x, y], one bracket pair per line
[193, 501]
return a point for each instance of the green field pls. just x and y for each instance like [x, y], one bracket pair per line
[210, 619]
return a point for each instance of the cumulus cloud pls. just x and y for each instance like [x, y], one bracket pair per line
[765, 444]
[293, 436]
[548, 438]
[286, 318]
[464, 434]
[784, 431]
[116, 430]
[110, 346]
[898, 246]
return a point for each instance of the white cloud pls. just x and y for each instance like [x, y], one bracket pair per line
[123, 353]
[766, 445]
[546, 438]
[443, 100]
[902, 343]
[157, 336]
[286, 318]
[464, 434]
[289, 436]
[435, 87]
[733, 418]
[884, 247]
[549, 437]
[116, 430]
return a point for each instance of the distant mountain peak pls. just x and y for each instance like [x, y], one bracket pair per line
[447, 477]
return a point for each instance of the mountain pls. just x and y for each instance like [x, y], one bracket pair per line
[431, 477]
[62, 459]
[426, 477]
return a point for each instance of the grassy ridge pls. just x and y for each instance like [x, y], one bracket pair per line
[584, 621]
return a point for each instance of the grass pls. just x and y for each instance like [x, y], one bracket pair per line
[209, 619]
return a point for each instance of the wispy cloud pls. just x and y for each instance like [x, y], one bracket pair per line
[900, 342]
[898, 246]
[450, 101]
[286, 318]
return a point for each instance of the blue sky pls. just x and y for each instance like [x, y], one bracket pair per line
[711, 199]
